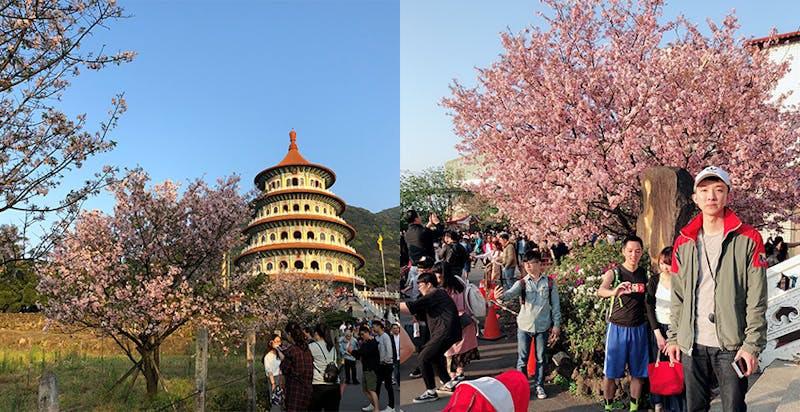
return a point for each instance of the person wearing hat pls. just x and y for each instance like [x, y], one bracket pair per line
[719, 297]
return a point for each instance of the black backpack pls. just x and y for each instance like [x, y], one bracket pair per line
[331, 372]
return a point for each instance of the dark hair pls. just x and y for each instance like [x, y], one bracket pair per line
[296, 333]
[411, 216]
[364, 328]
[428, 277]
[781, 248]
[632, 238]
[504, 236]
[269, 345]
[379, 324]
[532, 255]
[666, 255]
[452, 234]
[324, 334]
[449, 281]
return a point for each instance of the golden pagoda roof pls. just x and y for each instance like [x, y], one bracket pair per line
[293, 158]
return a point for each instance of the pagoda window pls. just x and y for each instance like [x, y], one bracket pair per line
[333, 239]
[272, 237]
[278, 183]
[284, 235]
[325, 210]
[283, 265]
[298, 264]
[348, 270]
[296, 208]
[294, 181]
[262, 239]
[288, 182]
[328, 267]
[316, 209]
[322, 236]
[306, 208]
[340, 268]
[310, 235]
[266, 211]
[275, 209]
[297, 235]
[285, 208]
[314, 265]
[269, 266]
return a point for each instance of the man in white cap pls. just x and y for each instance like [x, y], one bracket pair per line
[719, 297]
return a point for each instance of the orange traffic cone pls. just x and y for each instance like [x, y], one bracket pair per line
[491, 328]
[532, 359]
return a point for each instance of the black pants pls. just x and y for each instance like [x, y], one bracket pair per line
[350, 371]
[325, 398]
[384, 373]
[697, 370]
[431, 359]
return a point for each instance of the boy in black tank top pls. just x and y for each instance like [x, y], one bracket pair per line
[627, 333]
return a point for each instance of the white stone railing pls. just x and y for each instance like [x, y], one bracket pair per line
[376, 309]
[783, 312]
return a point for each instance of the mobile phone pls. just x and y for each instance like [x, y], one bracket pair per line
[739, 367]
[636, 287]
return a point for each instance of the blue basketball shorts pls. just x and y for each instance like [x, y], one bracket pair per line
[626, 345]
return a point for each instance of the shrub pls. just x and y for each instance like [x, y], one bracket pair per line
[583, 312]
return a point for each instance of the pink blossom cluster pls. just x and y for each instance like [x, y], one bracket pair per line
[569, 117]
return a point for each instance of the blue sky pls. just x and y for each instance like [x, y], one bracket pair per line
[446, 39]
[217, 86]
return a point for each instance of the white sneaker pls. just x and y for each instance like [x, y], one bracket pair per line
[387, 409]
[368, 408]
[540, 393]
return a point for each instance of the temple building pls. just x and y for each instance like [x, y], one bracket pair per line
[296, 228]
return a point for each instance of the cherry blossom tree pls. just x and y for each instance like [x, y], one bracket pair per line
[40, 52]
[568, 117]
[153, 266]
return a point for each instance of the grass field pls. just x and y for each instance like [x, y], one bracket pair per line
[85, 382]
[87, 366]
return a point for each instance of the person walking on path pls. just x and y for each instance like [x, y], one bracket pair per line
[385, 364]
[297, 368]
[441, 314]
[539, 316]
[658, 302]
[509, 260]
[396, 348]
[325, 395]
[627, 334]
[347, 344]
[719, 297]
[370, 358]
[464, 351]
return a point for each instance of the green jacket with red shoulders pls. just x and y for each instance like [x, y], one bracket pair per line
[740, 291]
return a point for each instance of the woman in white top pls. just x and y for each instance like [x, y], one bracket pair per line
[325, 396]
[658, 300]
[272, 364]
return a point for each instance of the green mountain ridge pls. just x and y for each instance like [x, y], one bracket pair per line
[368, 226]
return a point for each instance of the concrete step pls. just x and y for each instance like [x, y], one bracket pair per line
[791, 397]
[769, 390]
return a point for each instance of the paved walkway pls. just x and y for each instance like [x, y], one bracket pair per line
[496, 357]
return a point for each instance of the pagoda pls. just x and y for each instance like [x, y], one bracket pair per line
[296, 228]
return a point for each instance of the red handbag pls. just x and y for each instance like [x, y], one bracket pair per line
[666, 378]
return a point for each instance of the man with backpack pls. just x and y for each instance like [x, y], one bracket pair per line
[540, 308]
[453, 253]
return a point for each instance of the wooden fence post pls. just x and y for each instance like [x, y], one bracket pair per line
[200, 370]
[251, 375]
[48, 392]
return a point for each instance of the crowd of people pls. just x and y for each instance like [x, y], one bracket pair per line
[306, 367]
[704, 305]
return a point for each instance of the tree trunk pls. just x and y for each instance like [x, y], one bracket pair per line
[150, 368]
